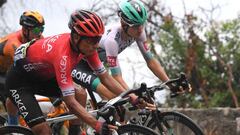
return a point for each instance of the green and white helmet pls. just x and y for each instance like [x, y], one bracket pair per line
[132, 12]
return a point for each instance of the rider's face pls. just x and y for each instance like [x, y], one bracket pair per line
[135, 31]
[33, 33]
[88, 45]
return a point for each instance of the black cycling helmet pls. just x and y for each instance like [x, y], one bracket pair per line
[31, 19]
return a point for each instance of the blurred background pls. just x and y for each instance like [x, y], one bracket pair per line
[198, 37]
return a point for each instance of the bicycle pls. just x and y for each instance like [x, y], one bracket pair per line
[165, 123]
[107, 112]
[51, 107]
[172, 122]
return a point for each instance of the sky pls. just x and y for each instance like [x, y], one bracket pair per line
[228, 9]
[56, 12]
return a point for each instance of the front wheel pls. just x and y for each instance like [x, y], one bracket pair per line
[174, 123]
[131, 129]
[15, 130]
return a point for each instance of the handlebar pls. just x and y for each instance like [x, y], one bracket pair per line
[144, 91]
[172, 84]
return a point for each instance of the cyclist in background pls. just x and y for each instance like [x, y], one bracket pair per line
[133, 17]
[44, 67]
[32, 23]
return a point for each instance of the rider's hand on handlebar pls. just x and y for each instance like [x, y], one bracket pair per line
[141, 103]
[180, 89]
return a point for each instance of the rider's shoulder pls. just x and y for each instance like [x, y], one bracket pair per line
[112, 28]
[12, 36]
[12, 39]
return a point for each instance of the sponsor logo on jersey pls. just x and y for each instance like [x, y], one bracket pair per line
[63, 67]
[83, 77]
[33, 66]
[112, 61]
[47, 43]
[19, 103]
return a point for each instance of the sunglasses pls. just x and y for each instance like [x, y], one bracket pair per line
[129, 24]
[37, 30]
[91, 40]
[134, 26]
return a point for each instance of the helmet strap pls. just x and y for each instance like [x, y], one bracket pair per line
[26, 35]
[73, 45]
[125, 27]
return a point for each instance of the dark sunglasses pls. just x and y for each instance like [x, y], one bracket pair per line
[37, 30]
[91, 40]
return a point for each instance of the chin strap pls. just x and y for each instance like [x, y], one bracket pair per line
[26, 36]
[75, 48]
[125, 29]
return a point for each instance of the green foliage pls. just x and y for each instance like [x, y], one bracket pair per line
[209, 73]
[187, 100]
[221, 99]
[172, 43]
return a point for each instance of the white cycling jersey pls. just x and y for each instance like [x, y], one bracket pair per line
[112, 44]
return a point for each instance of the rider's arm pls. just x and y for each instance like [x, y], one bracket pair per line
[152, 63]
[119, 79]
[112, 49]
[63, 67]
[79, 111]
[111, 83]
[103, 75]
[116, 71]
[157, 69]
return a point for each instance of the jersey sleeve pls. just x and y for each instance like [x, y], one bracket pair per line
[143, 46]
[95, 63]
[112, 48]
[63, 69]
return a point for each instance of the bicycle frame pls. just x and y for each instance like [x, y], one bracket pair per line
[67, 117]
[58, 110]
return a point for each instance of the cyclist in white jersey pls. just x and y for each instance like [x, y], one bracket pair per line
[133, 16]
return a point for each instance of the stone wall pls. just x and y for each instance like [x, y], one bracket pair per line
[215, 121]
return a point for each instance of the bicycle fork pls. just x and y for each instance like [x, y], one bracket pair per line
[163, 127]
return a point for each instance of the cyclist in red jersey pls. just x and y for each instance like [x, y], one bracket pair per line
[44, 67]
[32, 23]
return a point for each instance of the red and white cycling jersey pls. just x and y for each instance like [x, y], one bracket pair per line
[113, 44]
[53, 57]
